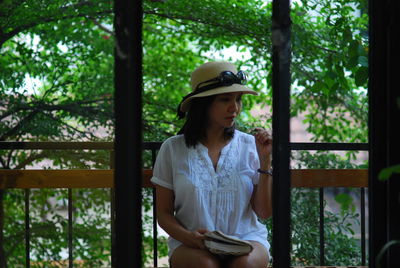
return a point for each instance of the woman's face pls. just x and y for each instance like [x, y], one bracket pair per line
[224, 109]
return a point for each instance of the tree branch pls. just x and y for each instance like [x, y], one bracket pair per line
[102, 27]
[10, 6]
[10, 152]
[40, 106]
[6, 36]
[84, 133]
[20, 124]
[31, 158]
[18, 237]
[198, 20]
[3, 163]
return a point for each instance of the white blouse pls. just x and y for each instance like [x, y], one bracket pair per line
[209, 199]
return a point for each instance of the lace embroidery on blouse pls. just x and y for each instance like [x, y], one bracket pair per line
[215, 189]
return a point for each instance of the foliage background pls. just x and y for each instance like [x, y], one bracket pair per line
[56, 84]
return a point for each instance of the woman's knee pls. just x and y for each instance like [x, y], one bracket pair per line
[195, 262]
[258, 258]
[206, 261]
[247, 261]
[187, 257]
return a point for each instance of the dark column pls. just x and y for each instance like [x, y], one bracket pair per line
[281, 55]
[128, 134]
[384, 133]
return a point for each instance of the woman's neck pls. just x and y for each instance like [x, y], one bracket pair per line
[215, 137]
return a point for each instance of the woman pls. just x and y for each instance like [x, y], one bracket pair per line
[213, 177]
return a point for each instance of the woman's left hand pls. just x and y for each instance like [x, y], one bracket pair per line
[263, 144]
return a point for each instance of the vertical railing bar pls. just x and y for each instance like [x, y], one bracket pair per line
[27, 230]
[281, 82]
[70, 229]
[112, 216]
[112, 211]
[362, 208]
[321, 228]
[128, 77]
[155, 233]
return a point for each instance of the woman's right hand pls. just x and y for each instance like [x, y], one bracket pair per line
[195, 239]
[167, 221]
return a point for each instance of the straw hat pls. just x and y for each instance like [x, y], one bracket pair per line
[210, 71]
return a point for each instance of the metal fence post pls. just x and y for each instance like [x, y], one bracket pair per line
[128, 133]
[281, 56]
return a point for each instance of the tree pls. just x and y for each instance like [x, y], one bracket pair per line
[66, 49]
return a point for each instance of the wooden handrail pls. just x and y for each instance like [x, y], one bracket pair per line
[59, 145]
[104, 178]
[308, 266]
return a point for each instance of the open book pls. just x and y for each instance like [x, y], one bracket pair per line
[218, 243]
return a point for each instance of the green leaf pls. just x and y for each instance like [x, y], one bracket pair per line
[361, 76]
[345, 201]
[363, 61]
[386, 173]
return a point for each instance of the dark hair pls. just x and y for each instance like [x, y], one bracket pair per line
[195, 127]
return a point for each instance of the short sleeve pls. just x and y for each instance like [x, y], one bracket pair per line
[254, 163]
[162, 171]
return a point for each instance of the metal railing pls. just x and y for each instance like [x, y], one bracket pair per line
[27, 179]
[337, 147]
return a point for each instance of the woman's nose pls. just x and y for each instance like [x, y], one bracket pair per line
[234, 106]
